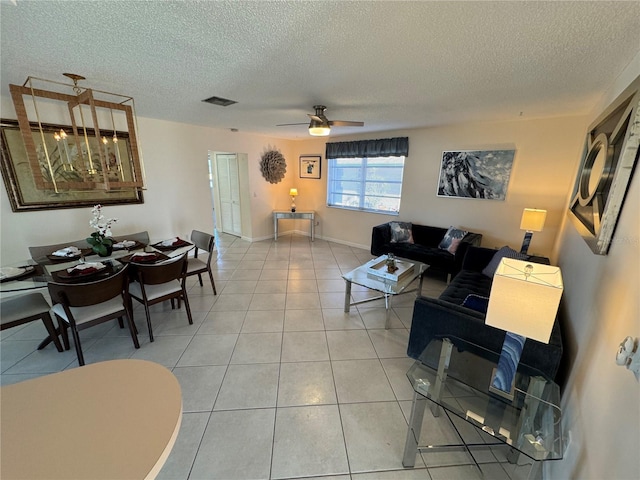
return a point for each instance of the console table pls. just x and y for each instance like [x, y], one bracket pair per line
[107, 420]
[529, 423]
[287, 214]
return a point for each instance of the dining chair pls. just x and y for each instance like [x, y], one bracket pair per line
[39, 253]
[16, 311]
[195, 266]
[82, 305]
[156, 283]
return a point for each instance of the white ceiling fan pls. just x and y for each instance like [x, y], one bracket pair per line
[320, 125]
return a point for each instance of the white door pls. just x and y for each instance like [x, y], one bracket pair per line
[229, 190]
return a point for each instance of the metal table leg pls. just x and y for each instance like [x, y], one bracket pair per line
[441, 377]
[347, 296]
[387, 307]
[413, 432]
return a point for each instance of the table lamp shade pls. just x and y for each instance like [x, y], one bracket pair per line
[293, 192]
[533, 220]
[524, 298]
[524, 301]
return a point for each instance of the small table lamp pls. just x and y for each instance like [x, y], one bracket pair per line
[532, 221]
[293, 193]
[524, 301]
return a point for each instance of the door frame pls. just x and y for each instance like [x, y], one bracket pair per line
[244, 195]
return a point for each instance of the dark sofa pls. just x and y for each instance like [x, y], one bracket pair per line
[425, 247]
[437, 318]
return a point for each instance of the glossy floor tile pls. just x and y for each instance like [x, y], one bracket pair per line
[278, 382]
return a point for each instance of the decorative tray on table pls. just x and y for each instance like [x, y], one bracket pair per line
[377, 268]
[82, 272]
[166, 246]
[59, 258]
[128, 245]
[14, 273]
[144, 257]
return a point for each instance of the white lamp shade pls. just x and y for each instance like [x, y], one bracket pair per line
[293, 192]
[525, 304]
[533, 220]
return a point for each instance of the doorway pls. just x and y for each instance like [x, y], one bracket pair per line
[229, 172]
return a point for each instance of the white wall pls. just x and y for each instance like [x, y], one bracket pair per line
[177, 198]
[547, 152]
[601, 403]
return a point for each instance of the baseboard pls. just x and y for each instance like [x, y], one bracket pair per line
[305, 233]
[348, 244]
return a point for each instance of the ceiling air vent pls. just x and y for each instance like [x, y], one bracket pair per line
[223, 102]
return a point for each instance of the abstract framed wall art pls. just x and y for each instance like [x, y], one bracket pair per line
[608, 162]
[481, 174]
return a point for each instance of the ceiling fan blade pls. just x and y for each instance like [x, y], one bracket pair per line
[345, 123]
[288, 124]
[317, 118]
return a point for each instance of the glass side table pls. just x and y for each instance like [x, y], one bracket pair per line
[456, 380]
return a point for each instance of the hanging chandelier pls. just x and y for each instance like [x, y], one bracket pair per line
[94, 144]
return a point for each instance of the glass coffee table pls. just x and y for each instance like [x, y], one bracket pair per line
[453, 376]
[388, 288]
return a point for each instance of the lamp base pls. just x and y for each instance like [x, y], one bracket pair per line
[526, 241]
[293, 209]
[508, 395]
[502, 380]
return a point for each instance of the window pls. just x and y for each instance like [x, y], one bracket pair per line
[369, 184]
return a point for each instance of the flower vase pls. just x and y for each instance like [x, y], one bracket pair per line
[103, 252]
[101, 245]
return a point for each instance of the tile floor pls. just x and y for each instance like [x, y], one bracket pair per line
[278, 382]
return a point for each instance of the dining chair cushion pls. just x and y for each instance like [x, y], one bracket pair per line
[24, 306]
[196, 265]
[86, 314]
[155, 291]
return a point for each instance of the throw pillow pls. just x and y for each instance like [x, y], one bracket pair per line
[504, 252]
[452, 239]
[476, 302]
[401, 232]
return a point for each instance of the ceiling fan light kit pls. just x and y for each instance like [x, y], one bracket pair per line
[320, 125]
[319, 131]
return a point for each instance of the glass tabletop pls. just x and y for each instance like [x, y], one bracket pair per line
[37, 275]
[28, 275]
[364, 276]
[22, 275]
[530, 422]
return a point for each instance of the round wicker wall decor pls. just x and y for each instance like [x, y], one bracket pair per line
[273, 166]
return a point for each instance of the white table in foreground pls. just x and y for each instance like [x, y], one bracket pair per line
[108, 420]
[388, 288]
[287, 214]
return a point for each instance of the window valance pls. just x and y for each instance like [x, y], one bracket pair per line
[384, 147]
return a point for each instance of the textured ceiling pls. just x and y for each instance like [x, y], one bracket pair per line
[392, 65]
